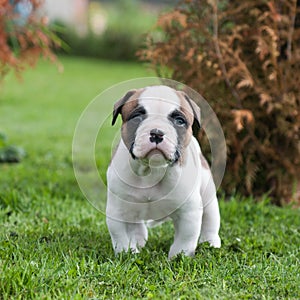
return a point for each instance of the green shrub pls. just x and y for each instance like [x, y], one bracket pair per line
[9, 153]
[244, 58]
[25, 36]
[124, 32]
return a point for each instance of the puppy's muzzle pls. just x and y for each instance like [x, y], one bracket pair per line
[156, 136]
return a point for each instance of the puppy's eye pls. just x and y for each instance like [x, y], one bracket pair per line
[137, 116]
[179, 121]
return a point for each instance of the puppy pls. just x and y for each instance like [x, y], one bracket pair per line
[158, 172]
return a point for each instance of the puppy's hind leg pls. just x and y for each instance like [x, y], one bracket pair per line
[211, 215]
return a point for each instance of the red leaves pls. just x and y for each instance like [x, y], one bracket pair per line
[23, 45]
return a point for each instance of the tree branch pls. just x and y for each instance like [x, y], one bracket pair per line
[219, 54]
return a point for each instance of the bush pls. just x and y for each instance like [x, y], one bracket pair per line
[24, 36]
[244, 58]
[10, 153]
[125, 28]
[112, 44]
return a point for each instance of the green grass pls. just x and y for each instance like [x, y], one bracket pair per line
[55, 245]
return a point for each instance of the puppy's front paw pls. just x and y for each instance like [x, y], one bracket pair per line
[216, 243]
[174, 251]
[213, 240]
[130, 250]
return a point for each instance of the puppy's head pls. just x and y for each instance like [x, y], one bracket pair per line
[158, 121]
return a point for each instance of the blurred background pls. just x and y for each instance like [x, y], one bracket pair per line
[103, 29]
[243, 59]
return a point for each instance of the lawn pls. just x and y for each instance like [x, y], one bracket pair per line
[55, 245]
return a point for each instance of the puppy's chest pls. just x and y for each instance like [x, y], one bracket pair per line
[148, 191]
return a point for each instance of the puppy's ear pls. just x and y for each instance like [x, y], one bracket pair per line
[119, 105]
[196, 111]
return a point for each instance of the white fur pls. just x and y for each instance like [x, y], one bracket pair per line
[142, 193]
[157, 108]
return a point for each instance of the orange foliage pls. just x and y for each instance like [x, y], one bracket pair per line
[22, 44]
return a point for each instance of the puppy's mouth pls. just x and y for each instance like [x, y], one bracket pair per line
[157, 154]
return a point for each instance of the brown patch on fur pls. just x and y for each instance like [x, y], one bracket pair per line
[119, 105]
[191, 108]
[124, 107]
[130, 105]
[188, 112]
[186, 108]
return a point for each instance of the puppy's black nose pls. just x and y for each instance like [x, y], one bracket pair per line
[156, 136]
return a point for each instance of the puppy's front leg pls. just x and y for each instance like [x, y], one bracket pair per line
[118, 233]
[187, 231]
[127, 236]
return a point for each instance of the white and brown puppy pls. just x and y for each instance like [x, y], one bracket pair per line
[158, 172]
